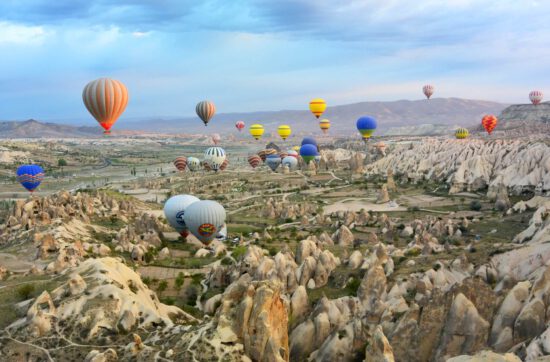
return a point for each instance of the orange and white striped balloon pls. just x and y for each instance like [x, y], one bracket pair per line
[489, 122]
[106, 100]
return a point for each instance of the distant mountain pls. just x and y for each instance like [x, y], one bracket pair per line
[396, 114]
[35, 129]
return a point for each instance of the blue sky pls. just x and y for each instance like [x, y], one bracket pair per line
[267, 55]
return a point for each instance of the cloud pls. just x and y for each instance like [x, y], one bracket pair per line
[22, 34]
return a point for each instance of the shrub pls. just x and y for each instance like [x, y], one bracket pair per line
[475, 205]
[25, 291]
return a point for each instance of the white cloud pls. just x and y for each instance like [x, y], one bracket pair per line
[11, 33]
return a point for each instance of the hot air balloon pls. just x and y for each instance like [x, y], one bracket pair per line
[257, 130]
[204, 219]
[174, 209]
[296, 148]
[317, 106]
[214, 156]
[324, 124]
[428, 90]
[193, 164]
[291, 162]
[216, 138]
[461, 133]
[283, 154]
[180, 163]
[273, 161]
[224, 164]
[366, 126]
[206, 165]
[536, 97]
[262, 155]
[293, 153]
[239, 125]
[308, 152]
[205, 110]
[30, 176]
[254, 161]
[489, 122]
[106, 100]
[284, 131]
[309, 141]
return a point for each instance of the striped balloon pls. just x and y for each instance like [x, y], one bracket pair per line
[224, 164]
[205, 110]
[254, 161]
[30, 176]
[256, 130]
[106, 100]
[293, 153]
[461, 133]
[317, 106]
[215, 156]
[180, 163]
[324, 124]
[536, 97]
[204, 219]
[428, 90]
[489, 122]
[284, 131]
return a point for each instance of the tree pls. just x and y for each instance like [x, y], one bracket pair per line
[61, 163]
[162, 286]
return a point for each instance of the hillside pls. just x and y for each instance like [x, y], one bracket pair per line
[438, 111]
[35, 129]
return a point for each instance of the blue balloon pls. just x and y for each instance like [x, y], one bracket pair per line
[308, 152]
[30, 176]
[309, 141]
[365, 123]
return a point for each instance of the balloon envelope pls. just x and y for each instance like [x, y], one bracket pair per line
[30, 176]
[317, 106]
[204, 219]
[257, 130]
[205, 110]
[489, 122]
[309, 141]
[366, 126]
[284, 131]
[308, 152]
[254, 161]
[239, 125]
[461, 133]
[428, 90]
[324, 124]
[174, 209]
[193, 163]
[214, 157]
[106, 100]
[273, 161]
[291, 162]
[536, 97]
[180, 163]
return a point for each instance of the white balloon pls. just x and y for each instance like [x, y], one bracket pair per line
[291, 162]
[214, 156]
[205, 219]
[193, 163]
[174, 209]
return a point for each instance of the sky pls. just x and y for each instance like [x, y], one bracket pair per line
[252, 55]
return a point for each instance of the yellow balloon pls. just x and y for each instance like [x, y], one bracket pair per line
[284, 131]
[257, 130]
[317, 106]
[296, 148]
[324, 124]
[461, 133]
